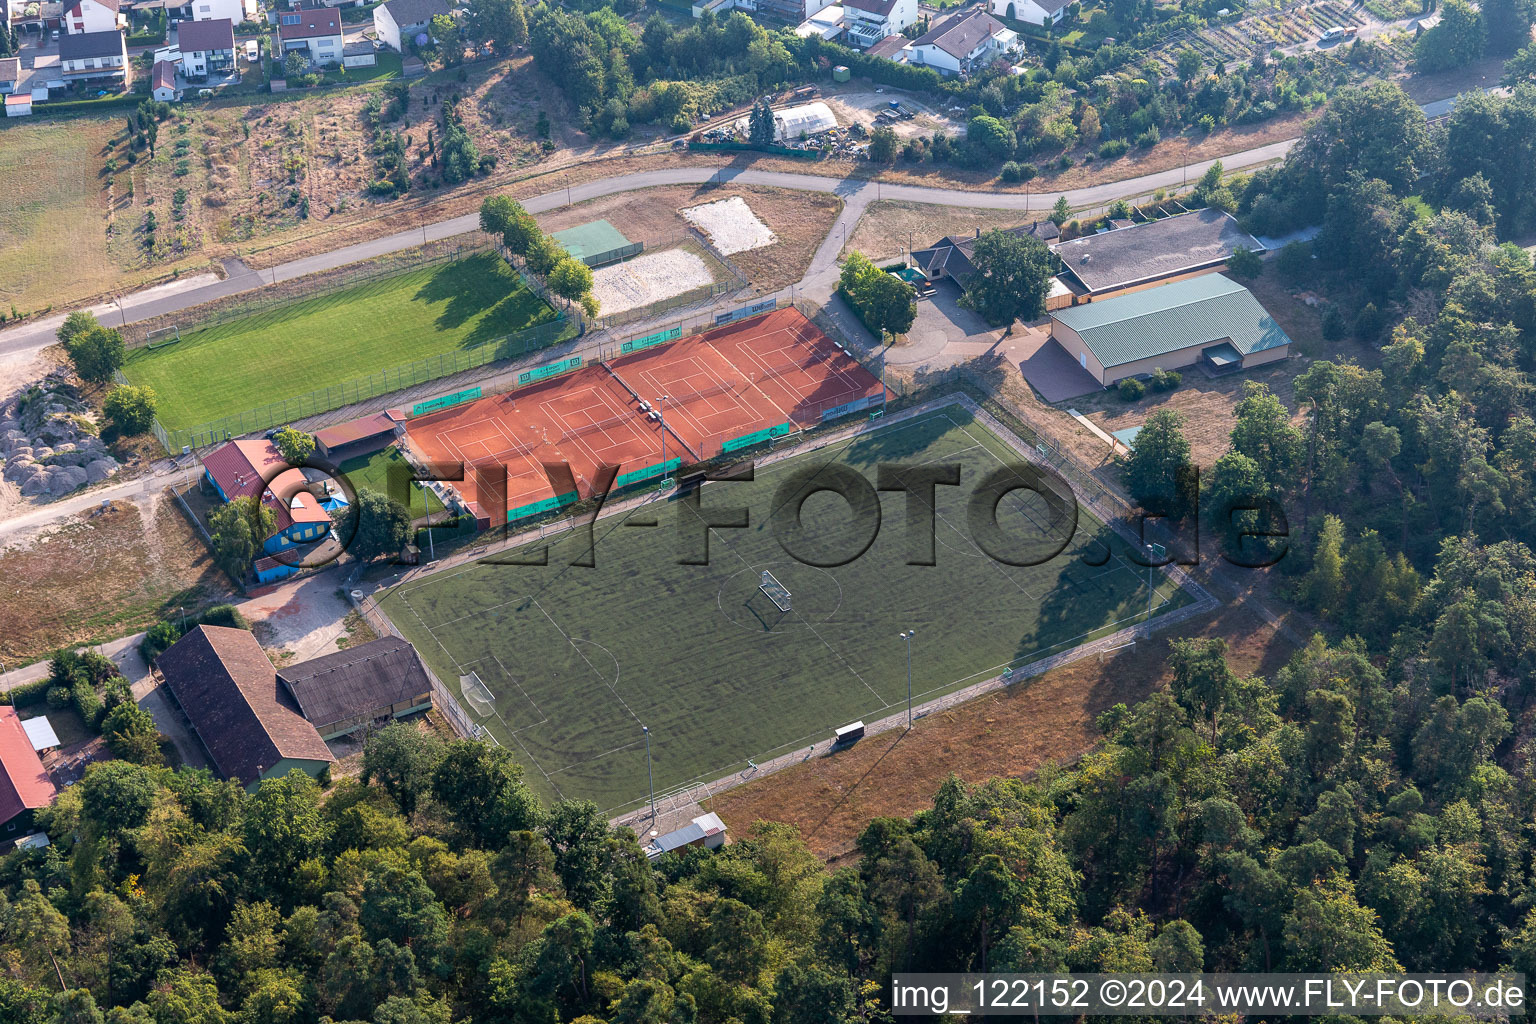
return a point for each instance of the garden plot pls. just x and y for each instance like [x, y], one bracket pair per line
[650, 278]
[731, 225]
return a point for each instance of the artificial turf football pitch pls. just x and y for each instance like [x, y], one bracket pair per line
[578, 659]
[294, 348]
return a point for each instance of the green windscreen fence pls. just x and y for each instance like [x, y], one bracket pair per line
[647, 473]
[597, 243]
[533, 508]
[757, 437]
[445, 401]
[659, 338]
[549, 370]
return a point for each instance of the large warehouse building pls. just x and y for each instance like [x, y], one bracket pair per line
[1152, 251]
[1208, 319]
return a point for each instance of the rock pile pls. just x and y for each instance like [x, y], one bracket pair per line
[47, 451]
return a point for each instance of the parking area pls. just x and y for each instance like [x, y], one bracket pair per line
[1054, 374]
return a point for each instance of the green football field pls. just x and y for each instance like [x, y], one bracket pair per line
[577, 659]
[293, 349]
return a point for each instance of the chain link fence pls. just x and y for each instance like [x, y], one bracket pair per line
[442, 699]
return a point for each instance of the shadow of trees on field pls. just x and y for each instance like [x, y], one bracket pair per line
[480, 286]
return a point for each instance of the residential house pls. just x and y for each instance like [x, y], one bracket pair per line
[10, 74]
[792, 11]
[24, 782]
[207, 48]
[962, 43]
[866, 22]
[163, 82]
[951, 255]
[82, 16]
[315, 32]
[343, 692]
[238, 708]
[1138, 254]
[1032, 12]
[93, 55]
[248, 469]
[398, 22]
[707, 830]
[235, 10]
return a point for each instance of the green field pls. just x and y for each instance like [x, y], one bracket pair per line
[577, 659]
[371, 472]
[293, 349]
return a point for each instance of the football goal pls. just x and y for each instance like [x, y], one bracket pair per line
[777, 592]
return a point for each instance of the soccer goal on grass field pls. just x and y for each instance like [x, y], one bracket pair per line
[777, 592]
[478, 694]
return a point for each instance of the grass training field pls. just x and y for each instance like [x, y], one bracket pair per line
[371, 472]
[575, 660]
[303, 346]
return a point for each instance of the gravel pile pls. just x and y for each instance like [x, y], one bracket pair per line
[45, 447]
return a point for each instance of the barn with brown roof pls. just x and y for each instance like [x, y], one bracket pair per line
[246, 719]
[342, 692]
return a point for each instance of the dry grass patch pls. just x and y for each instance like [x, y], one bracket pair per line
[100, 575]
[893, 227]
[1046, 720]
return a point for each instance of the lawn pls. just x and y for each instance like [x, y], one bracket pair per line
[316, 343]
[53, 211]
[577, 659]
[372, 472]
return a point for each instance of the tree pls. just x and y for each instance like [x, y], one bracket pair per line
[1061, 211]
[1456, 41]
[402, 759]
[130, 408]
[97, 353]
[882, 145]
[373, 525]
[988, 139]
[1264, 433]
[238, 530]
[445, 33]
[498, 212]
[482, 789]
[1159, 458]
[1521, 68]
[578, 834]
[75, 326]
[1202, 682]
[760, 124]
[294, 446]
[501, 23]
[295, 63]
[570, 279]
[544, 254]
[131, 734]
[1377, 131]
[885, 303]
[1012, 273]
[1189, 64]
[521, 233]
[1245, 263]
[1323, 588]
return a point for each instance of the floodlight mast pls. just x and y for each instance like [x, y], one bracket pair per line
[907, 635]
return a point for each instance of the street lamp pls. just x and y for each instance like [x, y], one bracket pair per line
[649, 777]
[907, 635]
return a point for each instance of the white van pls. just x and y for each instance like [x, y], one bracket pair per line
[252, 51]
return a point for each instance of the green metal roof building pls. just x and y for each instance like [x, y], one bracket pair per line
[1209, 319]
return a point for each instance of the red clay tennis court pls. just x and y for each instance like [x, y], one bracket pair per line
[725, 383]
[585, 419]
[745, 377]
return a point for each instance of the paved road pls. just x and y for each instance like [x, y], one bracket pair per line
[82, 500]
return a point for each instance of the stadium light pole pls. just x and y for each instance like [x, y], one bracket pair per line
[661, 415]
[650, 778]
[907, 635]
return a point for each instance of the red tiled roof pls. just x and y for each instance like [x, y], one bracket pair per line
[230, 692]
[318, 21]
[165, 75]
[110, 5]
[242, 469]
[355, 430]
[23, 781]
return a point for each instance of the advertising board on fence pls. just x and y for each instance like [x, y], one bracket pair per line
[635, 476]
[756, 437]
[660, 337]
[854, 406]
[444, 401]
[547, 505]
[549, 370]
[732, 315]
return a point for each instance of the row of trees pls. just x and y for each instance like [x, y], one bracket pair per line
[97, 353]
[567, 277]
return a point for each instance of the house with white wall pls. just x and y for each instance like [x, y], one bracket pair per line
[866, 22]
[92, 16]
[207, 48]
[235, 10]
[399, 21]
[962, 43]
[1033, 12]
[87, 56]
[315, 32]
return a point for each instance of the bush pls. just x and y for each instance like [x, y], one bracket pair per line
[158, 638]
[1113, 148]
[130, 408]
[1245, 263]
[1369, 322]
[1149, 138]
[1294, 262]
[1012, 172]
[1166, 380]
[1334, 325]
[224, 615]
[1132, 389]
[58, 697]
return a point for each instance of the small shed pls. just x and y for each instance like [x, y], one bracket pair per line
[343, 692]
[18, 104]
[707, 830]
[357, 437]
[358, 55]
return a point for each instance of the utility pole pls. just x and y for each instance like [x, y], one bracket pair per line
[650, 777]
[907, 635]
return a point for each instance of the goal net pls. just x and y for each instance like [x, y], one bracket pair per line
[477, 694]
[777, 592]
[162, 336]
